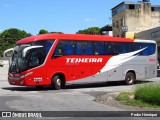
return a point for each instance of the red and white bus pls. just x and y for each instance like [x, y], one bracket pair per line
[60, 59]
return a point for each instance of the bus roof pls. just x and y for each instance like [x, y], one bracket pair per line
[73, 37]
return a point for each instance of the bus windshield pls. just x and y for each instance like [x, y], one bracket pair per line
[35, 55]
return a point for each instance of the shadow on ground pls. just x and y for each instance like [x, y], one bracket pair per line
[69, 87]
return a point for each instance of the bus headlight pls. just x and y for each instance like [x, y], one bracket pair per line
[25, 75]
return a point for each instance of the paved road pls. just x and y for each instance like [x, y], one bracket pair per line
[73, 98]
[3, 72]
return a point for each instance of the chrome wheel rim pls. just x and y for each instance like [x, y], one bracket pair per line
[58, 82]
[130, 79]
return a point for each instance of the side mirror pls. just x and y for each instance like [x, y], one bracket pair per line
[29, 48]
[9, 51]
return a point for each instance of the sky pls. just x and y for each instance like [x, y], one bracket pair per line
[67, 16]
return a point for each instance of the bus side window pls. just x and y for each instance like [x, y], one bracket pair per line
[98, 48]
[79, 50]
[59, 49]
[116, 48]
[84, 48]
[137, 46]
[68, 49]
[107, 48]
[145, 51]
[151, 48]
[130, 47]
[123, 45]
[89, 48]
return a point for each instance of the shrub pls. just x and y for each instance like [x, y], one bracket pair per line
[124, 96]
[149, 93]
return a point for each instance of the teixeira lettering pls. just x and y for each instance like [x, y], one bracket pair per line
[84, 60]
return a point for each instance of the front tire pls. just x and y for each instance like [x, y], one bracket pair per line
[57, 82]
[130, 78]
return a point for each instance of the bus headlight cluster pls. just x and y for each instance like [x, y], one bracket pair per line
[25, 75]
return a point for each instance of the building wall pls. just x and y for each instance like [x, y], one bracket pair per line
[139, 19]
[136, 20]
[117, 28]
[155, 16]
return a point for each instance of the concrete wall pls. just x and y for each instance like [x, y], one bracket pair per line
[137, 20]
[117, 31]
[140, 19]
[155, 16]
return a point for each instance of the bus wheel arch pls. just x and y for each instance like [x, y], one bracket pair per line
[58, 81]
[130, 77]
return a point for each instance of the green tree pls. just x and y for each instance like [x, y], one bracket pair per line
[43, 31]
[13, 34]
[91, 30]
[9, 37]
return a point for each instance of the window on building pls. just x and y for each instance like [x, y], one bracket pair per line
[155, 8]
[122, 22]
[113, 24]
[131, 7]
[117, 24]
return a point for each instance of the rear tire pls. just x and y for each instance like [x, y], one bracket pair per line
[130, 78]
[57, 82]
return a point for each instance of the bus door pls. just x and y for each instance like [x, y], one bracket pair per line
[35, 60]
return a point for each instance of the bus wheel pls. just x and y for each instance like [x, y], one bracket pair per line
[57, 82]
[130, 78]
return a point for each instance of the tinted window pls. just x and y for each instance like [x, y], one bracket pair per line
[65, 48]
[37, 56]
[149, 49]
[108, 48]
[113, 48]
[98, 48]
[130, 47]
[116, 48]
[84, 48]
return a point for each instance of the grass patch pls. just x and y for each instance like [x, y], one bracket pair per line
[127, 98]
[149, 93]
[124, 96]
